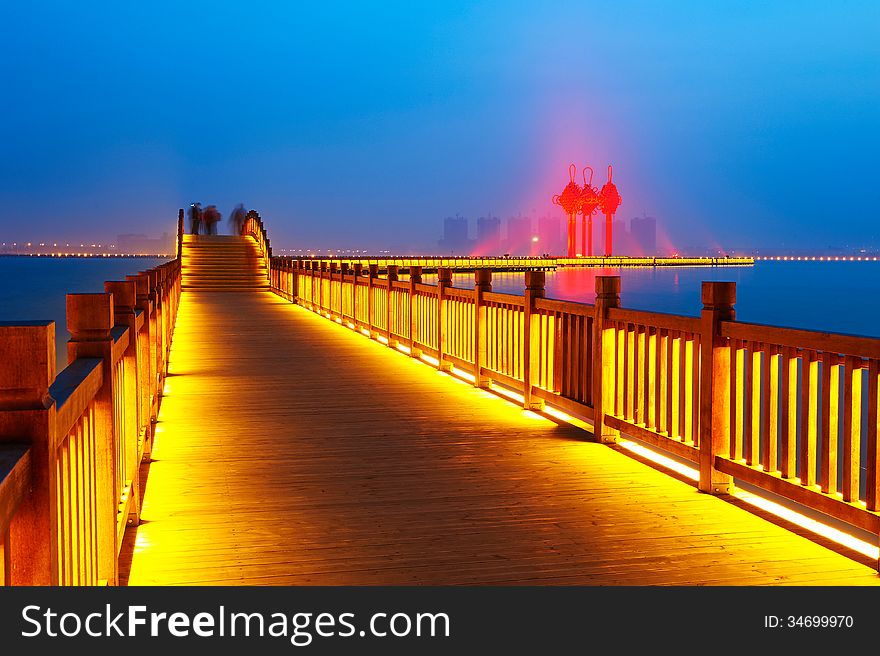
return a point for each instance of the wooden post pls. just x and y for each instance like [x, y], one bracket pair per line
[179, 232]
[27, 415]
[604, 337]
[333, 269]
[393, 270]
[357, 269]
[373, 274]
[147, 372]
[124, 301]
[482, 284]
[415, 278]
[90, 319]
[531, 339]
[444, 281]
[343, 274]
[718, 301]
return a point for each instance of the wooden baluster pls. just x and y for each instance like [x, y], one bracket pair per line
[809, 392]
[738, 407]
[391, 317]
[852, 427]
[718, 305]
[482, 284]
[124, 301]
[323, 301]
[770, 414]
[788, 416]
[373, 273]
[146, 371]
[356, 274]
[830, 422]
[415, 311]
[444, 281]
[604, 374]
[534, 290]
[90, 319]
[343, 275]
[27, 417]
[332, 270]
[872, 474]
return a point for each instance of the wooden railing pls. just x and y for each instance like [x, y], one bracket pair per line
[793, 412]
[519, 263]
[253, 227]
[71, 444]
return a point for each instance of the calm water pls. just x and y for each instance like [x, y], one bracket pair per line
[841, 297]
[829, 296]
[33, 288]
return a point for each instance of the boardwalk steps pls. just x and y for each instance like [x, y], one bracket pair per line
[222, 262]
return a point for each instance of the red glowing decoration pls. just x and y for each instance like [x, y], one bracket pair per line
[570, 201]
[575, 199]
[589, 205]
[609, 201]
[609, 197]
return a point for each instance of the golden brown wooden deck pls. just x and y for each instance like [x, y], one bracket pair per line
[294, 451]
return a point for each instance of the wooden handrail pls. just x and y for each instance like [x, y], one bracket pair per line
[712, 390]
[82, 433]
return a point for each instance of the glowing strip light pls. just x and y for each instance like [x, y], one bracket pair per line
[404, 349]
[653, 456]
[816, 527]
[835, 535]
[461, 373]
[824, 530]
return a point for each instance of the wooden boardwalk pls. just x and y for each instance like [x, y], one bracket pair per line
[292, 451]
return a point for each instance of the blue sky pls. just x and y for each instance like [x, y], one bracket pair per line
[364, 124]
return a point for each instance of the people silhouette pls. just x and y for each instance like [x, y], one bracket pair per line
[195, 218]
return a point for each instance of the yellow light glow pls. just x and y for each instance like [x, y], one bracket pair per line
[829, 532]
[510, 394]
[404, 349]
[384, 340]
[434, 362]
[365, 332]
[668, 463]
[461, 373]
[350, 325]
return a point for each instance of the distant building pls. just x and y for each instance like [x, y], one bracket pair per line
[455, 236]
[519, 235]
[643, 235]
[550, 235]
[488, 236]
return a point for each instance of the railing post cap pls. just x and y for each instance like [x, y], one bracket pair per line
[482, 276]
[374, 269]
[444, 274]
[124, 293]
[535, 280]
[27, 363]
[718, 294]
[607, 285]
[89, 315]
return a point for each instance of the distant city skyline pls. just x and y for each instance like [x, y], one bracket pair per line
[735, 124]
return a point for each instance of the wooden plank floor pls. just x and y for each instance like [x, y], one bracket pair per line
[293, 451]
